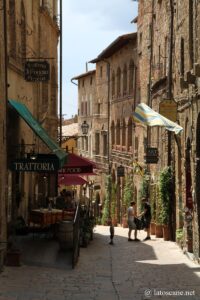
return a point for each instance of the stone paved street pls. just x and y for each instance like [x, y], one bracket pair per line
[125, 271]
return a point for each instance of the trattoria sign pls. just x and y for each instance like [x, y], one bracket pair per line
[33, 167]
[40, 164]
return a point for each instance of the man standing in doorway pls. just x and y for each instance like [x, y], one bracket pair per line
[131, 224]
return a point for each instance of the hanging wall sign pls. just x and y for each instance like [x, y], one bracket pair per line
[41, 163]
[151, 155]
[120, 171]
[168, 109]
[37, 71]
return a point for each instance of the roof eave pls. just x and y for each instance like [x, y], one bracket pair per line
[104, 54]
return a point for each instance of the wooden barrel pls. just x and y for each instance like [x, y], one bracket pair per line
[65, 235]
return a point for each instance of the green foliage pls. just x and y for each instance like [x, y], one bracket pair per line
[128, 192]
[158, 214]
[107, 202]
[113, 200]
[143, 192]
[179, 235]
[153, 197]
[165, 184]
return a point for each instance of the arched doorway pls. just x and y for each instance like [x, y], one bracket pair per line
[189, 201]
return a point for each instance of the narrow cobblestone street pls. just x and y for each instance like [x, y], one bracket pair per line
[125, 271]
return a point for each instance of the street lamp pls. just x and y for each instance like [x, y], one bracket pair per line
[84, 127]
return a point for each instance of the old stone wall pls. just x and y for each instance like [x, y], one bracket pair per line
[3, 158]
[32, 36]
[185, 90]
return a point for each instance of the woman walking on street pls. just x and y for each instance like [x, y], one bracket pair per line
[131, 224]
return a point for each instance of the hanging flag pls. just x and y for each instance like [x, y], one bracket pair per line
[144, 114]
[138, 169]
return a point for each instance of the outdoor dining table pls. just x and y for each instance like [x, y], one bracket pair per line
[45, 217]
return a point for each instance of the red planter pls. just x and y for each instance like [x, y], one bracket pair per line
[114, 222]
[124, 223]
[159, 231]
[166, 233]
[153, 228]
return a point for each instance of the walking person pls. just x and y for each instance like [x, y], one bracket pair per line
[146, 217]
[131, 224]
[112, 231]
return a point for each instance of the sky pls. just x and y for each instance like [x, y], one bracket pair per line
[89, 26]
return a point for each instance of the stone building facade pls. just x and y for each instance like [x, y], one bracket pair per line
[174, 73]
[89, 111]
[32, 35]
[117, 141]
[120, 60]
[3, 124]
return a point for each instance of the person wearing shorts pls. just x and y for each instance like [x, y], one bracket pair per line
[131, 212]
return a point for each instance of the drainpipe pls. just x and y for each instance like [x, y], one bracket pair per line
[108, 134]
[60, 73]
[74, 82]
[172, 216]
[150, 75]
[169, 79]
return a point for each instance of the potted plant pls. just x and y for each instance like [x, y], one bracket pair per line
[158, 218]
[143, 192]
[153, 195]
[87, 225]
[165, 184]
[179, 237]
[107, 202]
[113, 204]
[125, 221]
[127, 198]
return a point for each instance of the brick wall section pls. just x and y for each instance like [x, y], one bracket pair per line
[122, 106]
[42, 34]
[185, 88]
[3, 158]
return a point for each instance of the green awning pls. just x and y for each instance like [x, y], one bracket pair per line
[24, 112]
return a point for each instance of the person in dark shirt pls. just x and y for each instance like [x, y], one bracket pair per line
[60, 201]
[147, 217]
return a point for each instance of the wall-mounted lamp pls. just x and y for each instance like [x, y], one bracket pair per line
[33, 155]
[84, 127]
